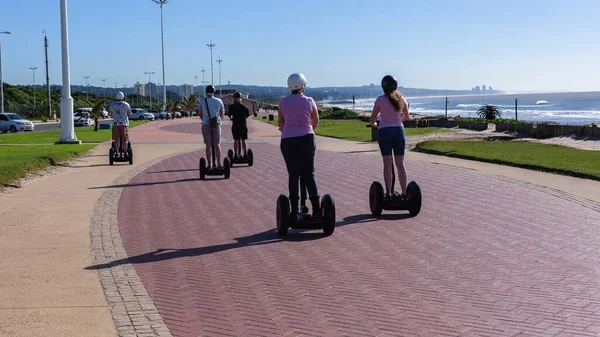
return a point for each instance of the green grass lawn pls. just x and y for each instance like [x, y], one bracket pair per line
[354, 129]
[17, 161]
[544, 157]
[85, 134]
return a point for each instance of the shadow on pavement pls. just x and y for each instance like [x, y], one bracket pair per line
[266, 237]
[149, 183]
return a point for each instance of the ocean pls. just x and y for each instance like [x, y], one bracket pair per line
[577, 108]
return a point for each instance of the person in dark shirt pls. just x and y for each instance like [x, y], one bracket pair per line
[238, 114]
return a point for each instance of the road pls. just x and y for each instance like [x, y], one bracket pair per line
[56, 125]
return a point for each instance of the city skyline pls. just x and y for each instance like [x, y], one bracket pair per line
[456, 53]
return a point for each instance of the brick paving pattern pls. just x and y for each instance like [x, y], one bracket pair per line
[486, 257]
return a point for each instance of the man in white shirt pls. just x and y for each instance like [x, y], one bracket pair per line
[212, 108]
[121, 112]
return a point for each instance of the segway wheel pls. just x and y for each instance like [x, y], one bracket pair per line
[226, 168]
[250, 157]
[130, 155]
[413, 192]
[230, 155]
[328, 214]
[376, 198]
[111, 156]
[202, 168]
[283, 215]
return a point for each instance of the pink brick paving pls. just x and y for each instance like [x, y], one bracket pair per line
[485, 257]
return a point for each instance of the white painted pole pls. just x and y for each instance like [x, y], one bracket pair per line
[66, 102]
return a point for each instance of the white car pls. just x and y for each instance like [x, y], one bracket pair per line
[14, 123]
[83, 119]
[141, 114]
[89, 110]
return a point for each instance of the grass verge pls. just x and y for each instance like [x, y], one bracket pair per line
[536, 156]
[354, 129]
[17, 161]
[85, 134]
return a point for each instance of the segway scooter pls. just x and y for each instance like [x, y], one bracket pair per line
[209, 171]
[238, 158]
[119, 155]
[412, 201]
[284, 220]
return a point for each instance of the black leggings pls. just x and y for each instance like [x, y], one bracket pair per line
[299, 156]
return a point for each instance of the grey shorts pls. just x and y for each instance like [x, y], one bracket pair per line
[213, 134]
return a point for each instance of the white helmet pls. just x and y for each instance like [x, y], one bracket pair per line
[120, 95]
[296, 81]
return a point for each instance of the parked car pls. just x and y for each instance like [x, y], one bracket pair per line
[89, 110]
[83, 118]
[14, 123]
[158, 114]
[141, 114]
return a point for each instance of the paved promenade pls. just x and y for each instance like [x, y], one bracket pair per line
[495, 251]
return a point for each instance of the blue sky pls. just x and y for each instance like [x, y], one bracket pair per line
[526, 45]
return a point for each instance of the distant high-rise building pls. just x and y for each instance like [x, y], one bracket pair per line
[483, 87]
[491, 89]
[139, 89]
[150, 87]
[185, 90]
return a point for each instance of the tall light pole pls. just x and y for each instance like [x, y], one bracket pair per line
[211, 46]
[104, 86]
[87, 88]
[149, 73]
[47, 75]
[2, 81]
[33, 87]
[67, 134]
[162, 37]
[196, 77]
[220, 89]
[203, 81]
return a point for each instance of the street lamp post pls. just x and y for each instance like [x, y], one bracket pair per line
[162, 37]
[220, 88]
[195, 88]
[33, 88]
[67, 134]
[2, 81]
[47, 75]
[211, 45]
[149, 73]
[87, 88]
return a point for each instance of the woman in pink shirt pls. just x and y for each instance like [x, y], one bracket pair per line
[393, 109]
[298, 117]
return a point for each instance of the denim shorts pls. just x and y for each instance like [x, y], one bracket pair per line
[391, 139]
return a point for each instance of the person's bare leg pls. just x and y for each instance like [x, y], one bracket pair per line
[209, 155]
[401, 173]
[388, 163]
[218, 154]
[244, 145]
[235, 146]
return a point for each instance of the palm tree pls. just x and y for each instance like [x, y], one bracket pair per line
[171, 107]
[489, 111]
[190, 103]
[97, 109]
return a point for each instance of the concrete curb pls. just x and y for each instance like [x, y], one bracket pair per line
[132, 309]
